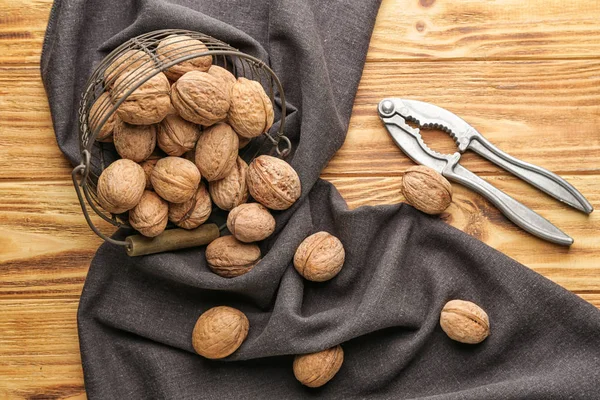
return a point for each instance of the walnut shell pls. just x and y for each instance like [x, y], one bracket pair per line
[465, 322]
[148, 166]
[175, 179]
[150, 216]
[131, 60]
[134, 142]
[273, 182]
[426, 190]
[219, 332]
[224, 75]
[316, 369]
[320, 257]
[216, 151]
[231, 191]
[243, 142]
[250, 222]
[121, 186]
[251, 110]
[194, 212]
[177, 136]
[201, 98]
[148, 104]
[100, 110]
[177, 46]
[228, 257]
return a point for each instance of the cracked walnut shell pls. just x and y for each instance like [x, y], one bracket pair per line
[228, 257]
[216, 151]
[149, 104]
[177, 136]
[426, 190]
[134, 142]
[251, 111]
[177, 46]
[150, 216]
[273, 182]
[201, 98]
[194, 212]
[121, 186]
[231, 191]
[465, 322]
[219, 332]
[319, 257]
[250, 222]
[316, 369]
[175, 179]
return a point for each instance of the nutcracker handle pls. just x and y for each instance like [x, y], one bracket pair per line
[171, 239]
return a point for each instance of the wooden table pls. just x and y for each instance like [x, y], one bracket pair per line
[526, 73]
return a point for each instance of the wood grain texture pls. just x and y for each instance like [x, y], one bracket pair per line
[526, 74]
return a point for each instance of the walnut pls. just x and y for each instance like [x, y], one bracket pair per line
[232, 190]
[216, 151]
[316, 369]
[175, 47]
[243, 142]
[250, 223]
[201, 98]
[320, 257]
[148, 104]
[175, 179]
[219, 332]
[100, 110]
[121, 186]
[131, 60]
[426, 190]
[177, 136]
[134, 142]
[465, 322]
[150, 216]
[273, 182]
[251, 111]
[228, 257]
[225, 76]
[149, 164]
[194, 212]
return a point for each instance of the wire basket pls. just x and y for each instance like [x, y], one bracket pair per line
[96, 155]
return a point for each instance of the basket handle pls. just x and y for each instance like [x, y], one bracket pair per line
[83, 169]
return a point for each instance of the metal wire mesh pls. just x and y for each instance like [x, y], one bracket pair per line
[140, 59]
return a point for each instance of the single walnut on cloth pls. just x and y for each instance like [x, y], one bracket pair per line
[194, 212]
[320, 257]
[175, 179]
[250, 222]
[251, 111]
[150, 216]
[219, 332]
[121, 186]
[228, 257]
[316, 369]
[177, 46]
[231, 191]
[465, 322]
[148, 104]
[216, 151]
[273, 182]
[100, 110]
[201, 98]
[134, 142]
[177, 136]
[426, 190]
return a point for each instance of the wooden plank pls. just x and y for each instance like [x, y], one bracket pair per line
[475, 29]
[513, 104]
[39, 357]
[22, 28]
[47, 246]
[405, 30]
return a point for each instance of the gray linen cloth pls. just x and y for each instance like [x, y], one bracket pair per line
[137, 314]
